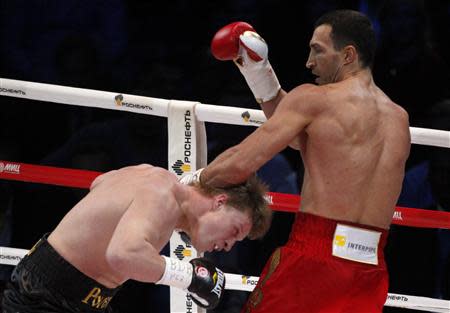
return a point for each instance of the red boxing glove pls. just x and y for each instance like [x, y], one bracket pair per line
[225, 43]
[239, 42]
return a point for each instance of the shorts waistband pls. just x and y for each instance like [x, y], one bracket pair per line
[315, 234]
[64, 279]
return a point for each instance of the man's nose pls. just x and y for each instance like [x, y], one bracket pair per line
[309, 63]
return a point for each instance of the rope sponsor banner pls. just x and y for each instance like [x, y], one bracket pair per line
[418, 303]
[83, 97]
[11, 256]
[187, 139]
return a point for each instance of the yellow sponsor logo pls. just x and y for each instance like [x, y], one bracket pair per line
[182, 252]
[245, 116]
[248, 118]
[340, 240]
[118, 100]
[247, 280]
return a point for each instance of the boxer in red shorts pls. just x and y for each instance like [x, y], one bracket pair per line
[353, 141]
[306, 270]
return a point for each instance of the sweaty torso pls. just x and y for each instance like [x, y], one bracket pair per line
[83, 235]
[354, 155]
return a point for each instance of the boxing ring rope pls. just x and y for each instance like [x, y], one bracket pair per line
[68, 177]
[278, 201]
[159, 107]
[204, 112]
[12, 256]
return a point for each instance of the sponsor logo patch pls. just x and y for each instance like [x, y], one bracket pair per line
[11, 168]
[248, 119]
[179, 167]
[118, 99]
[356, 244]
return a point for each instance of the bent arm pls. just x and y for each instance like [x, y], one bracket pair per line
[133, 251]
[294, 113]
[269, 108]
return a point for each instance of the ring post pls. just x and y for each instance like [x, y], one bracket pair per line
[187, 153]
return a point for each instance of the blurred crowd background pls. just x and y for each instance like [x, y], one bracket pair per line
[161, 49]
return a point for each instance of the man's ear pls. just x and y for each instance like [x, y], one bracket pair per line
[350, 54]
[220, 200]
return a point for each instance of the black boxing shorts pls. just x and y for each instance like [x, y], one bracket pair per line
[43, 281]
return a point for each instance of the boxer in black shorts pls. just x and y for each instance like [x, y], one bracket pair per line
[116, 232]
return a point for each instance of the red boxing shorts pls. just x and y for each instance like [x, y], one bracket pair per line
[326, 266]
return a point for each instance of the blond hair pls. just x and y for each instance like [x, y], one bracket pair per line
[247, 197]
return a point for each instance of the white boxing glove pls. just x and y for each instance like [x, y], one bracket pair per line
[191, 178]
[255, 67]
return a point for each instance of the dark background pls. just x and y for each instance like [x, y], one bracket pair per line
[161, 50]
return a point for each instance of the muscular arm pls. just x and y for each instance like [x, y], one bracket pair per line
[135, 245]
[270, 106]
[293, 114]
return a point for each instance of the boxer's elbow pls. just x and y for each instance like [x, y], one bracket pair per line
[118, 260]
[122, 257]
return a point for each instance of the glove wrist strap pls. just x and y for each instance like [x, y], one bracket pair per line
[261, 79]
[191, 178]
[176, 274]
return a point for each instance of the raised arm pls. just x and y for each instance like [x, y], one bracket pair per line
[270, 106]
[240, 43]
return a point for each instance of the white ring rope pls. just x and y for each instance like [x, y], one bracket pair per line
[159, 107]
[12, 256]
[130, 103]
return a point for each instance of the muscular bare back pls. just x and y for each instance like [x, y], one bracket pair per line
[353, 140]
[138, 193]
[354, 154]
